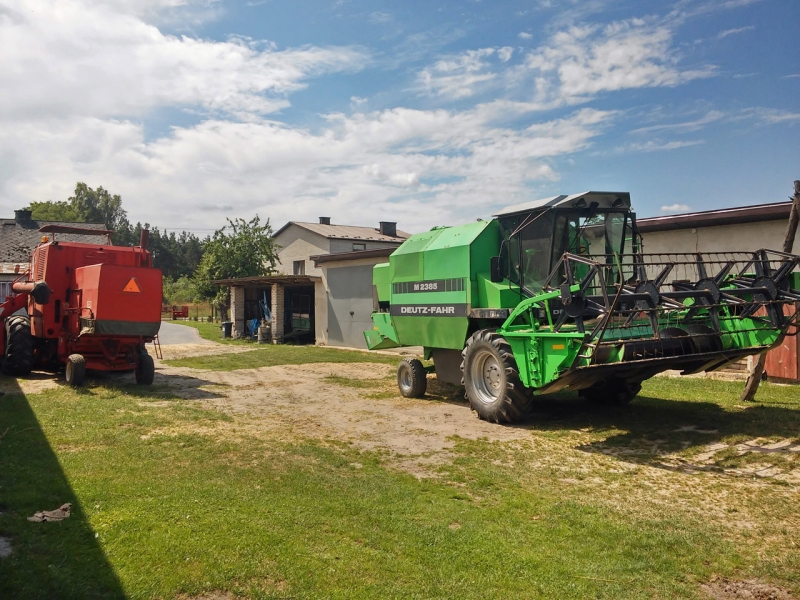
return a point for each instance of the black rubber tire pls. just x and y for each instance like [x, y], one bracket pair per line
[18, 359]
[613, 392]
[412, 378]
[145, 370]
[75, 373]
[498, 394]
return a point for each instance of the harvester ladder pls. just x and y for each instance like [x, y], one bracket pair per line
[157, 347]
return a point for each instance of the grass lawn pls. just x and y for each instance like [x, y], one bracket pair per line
[175, 499]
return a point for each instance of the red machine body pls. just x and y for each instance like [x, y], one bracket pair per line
[99, 303]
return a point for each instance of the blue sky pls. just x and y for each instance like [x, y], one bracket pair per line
[425, 113]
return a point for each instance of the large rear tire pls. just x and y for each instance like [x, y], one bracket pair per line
[145, 370]
[613, 392]
[412, 378]
[491, 379]
[75, 373]
[18, 358]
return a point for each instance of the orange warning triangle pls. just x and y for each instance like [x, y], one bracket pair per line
[132, 287]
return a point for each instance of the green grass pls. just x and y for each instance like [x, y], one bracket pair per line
[270, 356]
[172, 498]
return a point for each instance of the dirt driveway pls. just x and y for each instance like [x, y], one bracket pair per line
[351, 402]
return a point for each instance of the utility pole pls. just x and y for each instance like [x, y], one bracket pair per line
[757, 369]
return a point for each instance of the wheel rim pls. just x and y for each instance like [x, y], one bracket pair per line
[487, 376]
[69, 371]
[405, 379]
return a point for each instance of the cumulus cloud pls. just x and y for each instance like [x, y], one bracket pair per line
[524, 35]
[72, 57]
[583, 61]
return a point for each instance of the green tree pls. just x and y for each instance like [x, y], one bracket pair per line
[247, 249]
[88, 206]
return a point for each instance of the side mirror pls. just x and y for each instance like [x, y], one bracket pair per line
[495, 271]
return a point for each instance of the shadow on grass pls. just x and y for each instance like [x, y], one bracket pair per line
[651, 427]
[48, 560]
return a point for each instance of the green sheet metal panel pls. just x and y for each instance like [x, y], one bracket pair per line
[431, 286]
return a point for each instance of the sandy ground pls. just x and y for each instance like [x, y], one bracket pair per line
[297, 400]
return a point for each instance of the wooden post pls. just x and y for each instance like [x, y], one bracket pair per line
[757, 368]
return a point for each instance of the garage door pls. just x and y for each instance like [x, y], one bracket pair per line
[349, 305]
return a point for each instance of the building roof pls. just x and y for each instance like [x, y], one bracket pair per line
[347, 232]
[268, 280]
[603, 199]
[778, 211]
[18, 237]
[354, 255]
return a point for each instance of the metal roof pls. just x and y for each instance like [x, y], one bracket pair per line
[353, 255]
[347, 232]
[268, 280]
[603, 199]
[777, 211]
[19, 238]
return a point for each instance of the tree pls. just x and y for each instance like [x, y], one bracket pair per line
[247, 250]
[88, 206]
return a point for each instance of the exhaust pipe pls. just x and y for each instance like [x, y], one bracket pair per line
[144, 238]
[39, 290]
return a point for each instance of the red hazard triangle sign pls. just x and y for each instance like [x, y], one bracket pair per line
[132, 287]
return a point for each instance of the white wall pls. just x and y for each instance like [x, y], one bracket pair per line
[298, 243]
[744, 237]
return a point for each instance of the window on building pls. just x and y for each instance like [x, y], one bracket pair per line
[5, 290]
[359, 246]
[299, 267]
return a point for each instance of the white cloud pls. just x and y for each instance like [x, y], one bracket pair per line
[727, 32]
[416, 167]
[711, 116]
[676, 208]
[457, 76]
[380, 17]
[504, 53]
[524, 35]
[72, 58]
[583, 61]
[654, 146]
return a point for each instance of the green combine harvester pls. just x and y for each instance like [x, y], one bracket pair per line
[558, 294]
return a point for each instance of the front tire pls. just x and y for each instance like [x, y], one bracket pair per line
[491, 379]
[412, 378]
[75, 372]
[19, 346]
[145, 370]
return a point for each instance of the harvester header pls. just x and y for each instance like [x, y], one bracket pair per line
[559, 293]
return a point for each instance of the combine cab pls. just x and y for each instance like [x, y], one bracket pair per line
[559, 294]
[83, 306]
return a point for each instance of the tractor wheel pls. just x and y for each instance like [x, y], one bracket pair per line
[491, 379]
[145, 370]
[412, 378]
[613, 392]
[19, 346]
[76, 370]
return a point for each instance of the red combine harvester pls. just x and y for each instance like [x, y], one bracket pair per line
[88, 307]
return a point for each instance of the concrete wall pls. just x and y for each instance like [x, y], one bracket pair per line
[298, 244]
[745, 237]
[346, 287]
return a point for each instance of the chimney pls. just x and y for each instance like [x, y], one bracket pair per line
[388, 228]
[324, 220]
[22, 216]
